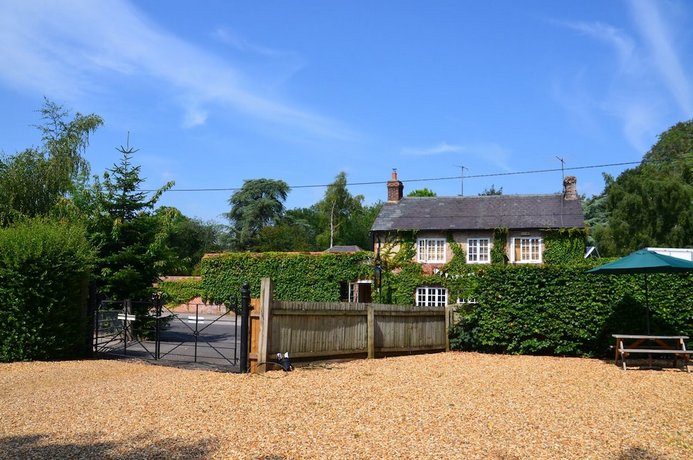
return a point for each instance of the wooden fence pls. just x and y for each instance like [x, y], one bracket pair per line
[321, 330]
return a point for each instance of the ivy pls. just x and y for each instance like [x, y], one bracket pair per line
[500, 238]
[564, 246]
[296, 276]
[459, 258]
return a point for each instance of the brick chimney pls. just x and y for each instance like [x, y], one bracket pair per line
[395, 188]
[569, 188]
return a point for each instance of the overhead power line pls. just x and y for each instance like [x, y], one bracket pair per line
[430, 179]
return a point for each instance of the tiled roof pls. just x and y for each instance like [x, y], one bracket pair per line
[480, 213]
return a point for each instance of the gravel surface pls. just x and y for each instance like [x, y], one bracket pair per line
[448, 405]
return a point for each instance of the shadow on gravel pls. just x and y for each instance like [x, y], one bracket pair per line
[137, 447]
[638, 453]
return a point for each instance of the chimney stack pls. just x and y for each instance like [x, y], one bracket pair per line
[395, 188]
[569, 188]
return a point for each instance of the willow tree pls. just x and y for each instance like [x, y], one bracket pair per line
[41, 181]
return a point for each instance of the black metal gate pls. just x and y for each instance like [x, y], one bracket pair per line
[203, 335]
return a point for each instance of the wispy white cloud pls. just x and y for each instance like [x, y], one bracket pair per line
[487, 152]
[229, 37]
[622, 44]
[438, 149]
[640, 83]
[663, 52]
[68, 49]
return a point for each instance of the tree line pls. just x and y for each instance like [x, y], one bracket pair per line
[650, 205]
[135, 240]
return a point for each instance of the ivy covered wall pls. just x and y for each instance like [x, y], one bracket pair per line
[296, 276]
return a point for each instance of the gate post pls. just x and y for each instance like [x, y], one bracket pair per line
[156, 299]
[245, 318]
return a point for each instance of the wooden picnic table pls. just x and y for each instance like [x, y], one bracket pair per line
[674, 345]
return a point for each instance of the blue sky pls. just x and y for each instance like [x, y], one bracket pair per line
[216, 92]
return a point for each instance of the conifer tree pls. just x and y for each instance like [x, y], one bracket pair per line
[129, 240]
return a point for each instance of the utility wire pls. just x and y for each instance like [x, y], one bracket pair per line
[432, 179]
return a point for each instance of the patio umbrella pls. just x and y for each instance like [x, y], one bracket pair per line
[644, 261]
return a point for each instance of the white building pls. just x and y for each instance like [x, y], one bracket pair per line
[680, 253]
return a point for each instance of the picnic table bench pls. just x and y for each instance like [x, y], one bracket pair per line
[674, 345]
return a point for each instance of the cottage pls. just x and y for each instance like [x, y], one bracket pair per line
[470, 221]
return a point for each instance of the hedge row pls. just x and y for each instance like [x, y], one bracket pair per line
[296, 276]
[176, 292]
[44, 276]
[524, 309]
[565, 311]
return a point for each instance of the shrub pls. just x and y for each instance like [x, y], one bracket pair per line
[180, 291]
[44, 276]
[565, 311]
[296, 276]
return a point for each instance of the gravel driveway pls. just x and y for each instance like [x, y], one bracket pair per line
[448, 405]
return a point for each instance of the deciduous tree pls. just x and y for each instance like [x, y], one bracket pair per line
[422, 192]
[37, 182]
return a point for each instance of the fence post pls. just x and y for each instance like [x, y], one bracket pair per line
[245, 318]
[263, 333]
[371, 332]
[448, 324]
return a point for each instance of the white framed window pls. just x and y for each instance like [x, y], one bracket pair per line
[428, 296]
[478, 251]
[528, 249]
[430, 250]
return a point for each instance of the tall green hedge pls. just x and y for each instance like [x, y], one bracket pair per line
[44, 276]
[180, 290]
[565, 311]
[524, 309]
[296, 276]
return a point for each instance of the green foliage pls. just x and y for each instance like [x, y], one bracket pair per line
[130, 244]
[37, 182]
[27, 186]
[65, 141]
[259, 203]
[652, 204]
[459, 258]
[44, 274]
[342, 216]
[564, 311]
[422, 192]
[500, 238]
[296, 276]
[564, 246]
[187, 240]
[492, 191]
[180, 291]
[407, 249]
